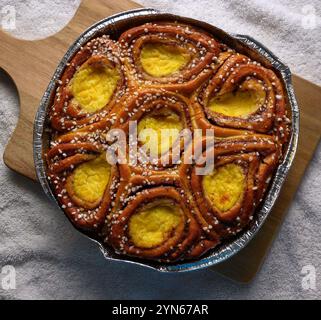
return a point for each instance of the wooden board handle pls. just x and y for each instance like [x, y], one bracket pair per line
[13, 61]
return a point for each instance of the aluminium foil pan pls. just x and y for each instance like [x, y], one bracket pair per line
[114, 26]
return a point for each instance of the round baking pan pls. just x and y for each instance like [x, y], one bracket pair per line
[114, 26]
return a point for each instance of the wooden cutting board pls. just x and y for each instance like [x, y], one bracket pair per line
[31, 65]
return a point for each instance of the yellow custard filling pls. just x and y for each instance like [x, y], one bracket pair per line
[154, 223]
[93, 86]
[160, 60]
[224, 186]
[242, 102]
[164, 128]
[91, 178]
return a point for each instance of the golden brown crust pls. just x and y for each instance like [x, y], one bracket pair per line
[178, 242]
[255, 142]
[65, 115]
[204, 51]
[141, 103]
[233, 70]
[257, 156]
[84, 215]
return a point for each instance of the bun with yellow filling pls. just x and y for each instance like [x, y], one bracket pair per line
[170, 76]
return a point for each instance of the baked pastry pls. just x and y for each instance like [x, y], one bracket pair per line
[168, 56]
[79, 102]
[174, 77]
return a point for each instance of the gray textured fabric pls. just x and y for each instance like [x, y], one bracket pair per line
[53, 261]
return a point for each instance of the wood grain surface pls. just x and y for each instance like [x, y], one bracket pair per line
[31, 65]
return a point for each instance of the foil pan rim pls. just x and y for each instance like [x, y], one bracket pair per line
[228, 250]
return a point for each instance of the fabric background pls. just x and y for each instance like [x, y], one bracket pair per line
[53, 261]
